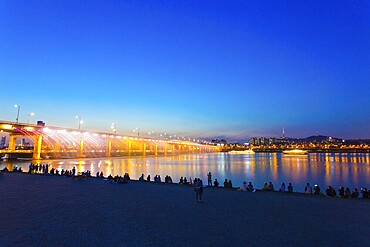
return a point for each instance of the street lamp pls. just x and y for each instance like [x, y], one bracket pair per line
[79, 122]
[151, 132]
[114, 128]
[30, 115]
[136, 130]
[19, 108]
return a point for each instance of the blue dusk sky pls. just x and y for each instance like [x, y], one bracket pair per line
[232, 69]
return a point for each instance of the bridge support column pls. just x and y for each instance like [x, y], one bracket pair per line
[156, 149]
[129, 148]
[109, 148]
[165, 148]
[37, 144]
[80, 148]
[12, 142]
[144, 149]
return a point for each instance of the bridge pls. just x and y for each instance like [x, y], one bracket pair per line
[57, 142]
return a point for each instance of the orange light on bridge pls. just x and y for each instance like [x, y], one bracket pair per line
[7, 126]
[29, 128]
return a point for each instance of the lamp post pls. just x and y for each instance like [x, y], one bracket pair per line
[114, 128]
[136, 130]
[19, 108]
[30, 115]
[79, 122]
[151, 132]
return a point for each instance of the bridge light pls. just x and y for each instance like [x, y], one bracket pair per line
[7, 126]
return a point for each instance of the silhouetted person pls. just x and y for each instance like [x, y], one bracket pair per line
[355, 193]
[209, 176]
[347, 193]
[250, 187]
[271, 187]
[316, 188]
[282, 187]
[215, 183]
[341, 191]
[308, 189]
[290, 188]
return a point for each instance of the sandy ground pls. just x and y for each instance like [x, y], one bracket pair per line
[41, 210]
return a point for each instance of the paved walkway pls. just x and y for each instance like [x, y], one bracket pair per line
[58, 211]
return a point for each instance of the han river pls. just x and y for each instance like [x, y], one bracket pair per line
[336, 169]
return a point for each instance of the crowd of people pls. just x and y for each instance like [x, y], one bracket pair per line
[197, 183]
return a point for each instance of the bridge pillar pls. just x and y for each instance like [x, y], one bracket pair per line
[12, 142]
[156, 149]
[109, 148]
[80, 148]
[144, 149]
[37, 144]
[129, 147]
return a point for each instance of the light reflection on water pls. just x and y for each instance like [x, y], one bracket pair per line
[349, 170]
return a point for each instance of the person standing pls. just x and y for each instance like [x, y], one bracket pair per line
[209, 175]
[198, 190]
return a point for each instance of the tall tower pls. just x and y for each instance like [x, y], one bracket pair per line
[283, 133]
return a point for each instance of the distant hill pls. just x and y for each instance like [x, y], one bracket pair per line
[318, 138]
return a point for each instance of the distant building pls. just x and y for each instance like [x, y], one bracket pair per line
[3, 141]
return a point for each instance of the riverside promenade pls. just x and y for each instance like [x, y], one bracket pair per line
[39, 210]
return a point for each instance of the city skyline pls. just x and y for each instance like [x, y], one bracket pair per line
[200, 69]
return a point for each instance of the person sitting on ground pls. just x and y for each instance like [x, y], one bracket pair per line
[317, 190]
[365, 193]
[265, 186]
[185, 181]
[148, 178]
[226, 184]
[230, 184]
[181, 180]
[169, 180]
[110, 177]
[308, 189]
[282, 187]
[341, 192]
[290, 188]
[244, 187]
[250, 187]
[355, 193]
[271, 187]
[97, 174]
[123, 180]
[330, 191]
[347, 193]
[101, 175]
[20, 169]
[5, 170]
[215, 183]
[141, 178]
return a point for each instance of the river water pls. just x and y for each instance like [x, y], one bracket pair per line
[343, 169]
